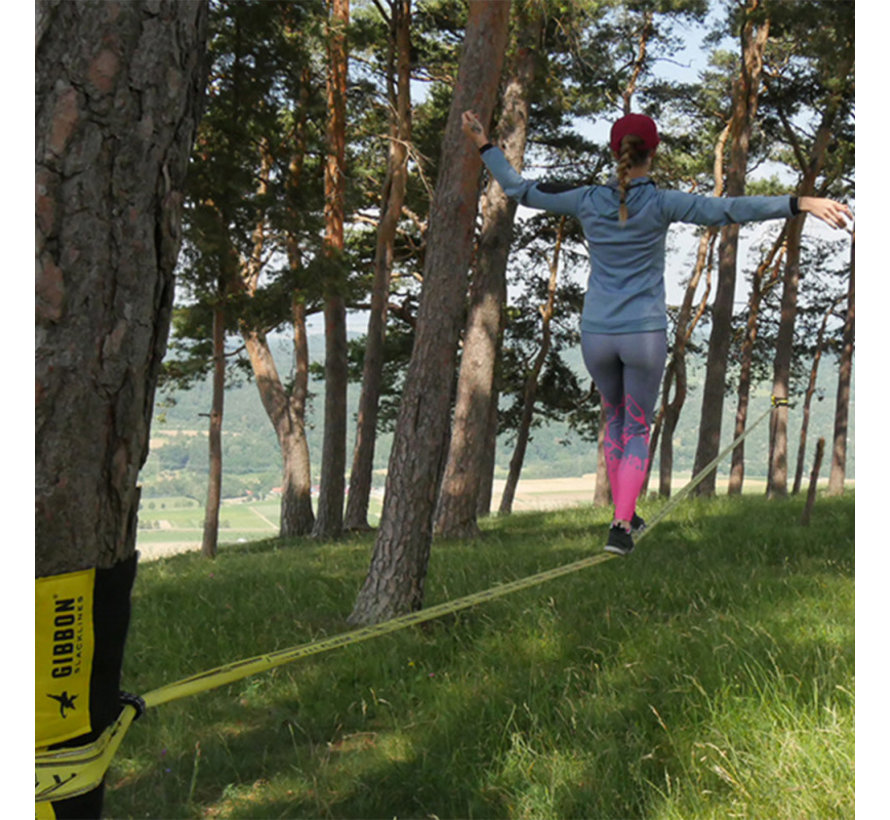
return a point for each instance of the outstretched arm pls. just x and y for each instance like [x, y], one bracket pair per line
[704, 210]
[559, 199]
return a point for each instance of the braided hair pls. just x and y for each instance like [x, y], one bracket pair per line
[633, 152]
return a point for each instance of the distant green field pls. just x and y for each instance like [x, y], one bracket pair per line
[178, 521]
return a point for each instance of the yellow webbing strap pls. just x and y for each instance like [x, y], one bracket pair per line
[67, 772]
[64, 773]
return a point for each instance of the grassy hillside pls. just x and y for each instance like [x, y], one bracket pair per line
[708, 675]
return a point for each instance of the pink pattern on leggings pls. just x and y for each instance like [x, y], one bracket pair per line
[627, 470]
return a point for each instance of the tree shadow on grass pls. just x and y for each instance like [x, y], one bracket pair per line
[580, 699]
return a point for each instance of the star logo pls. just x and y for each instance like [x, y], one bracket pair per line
[65, 701]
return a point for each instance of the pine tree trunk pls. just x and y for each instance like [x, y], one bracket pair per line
[814, 483]
[395, 579]
[777, 481]
[470, 444]
[210, 538]
[296, 516]
[811, 168]
[329, 518]
[838, 472]
[758, 289]
[747, 89]
[296, 502]
[531, 382]
[808, 400]
[675, 372]
[602, 493]
[360, 477]
[111, 155]
[119, 89]
[286, 412]
[489, 451]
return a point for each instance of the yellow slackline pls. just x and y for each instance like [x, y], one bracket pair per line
[64, 773]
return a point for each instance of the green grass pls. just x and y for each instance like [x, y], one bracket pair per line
[708, 675]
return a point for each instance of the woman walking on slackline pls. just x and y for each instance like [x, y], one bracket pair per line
[624, 320]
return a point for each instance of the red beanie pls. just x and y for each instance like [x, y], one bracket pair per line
[640, 126]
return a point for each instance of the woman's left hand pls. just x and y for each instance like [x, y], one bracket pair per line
[473, 128]
[827, 210]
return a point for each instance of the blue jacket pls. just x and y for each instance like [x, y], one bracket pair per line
[625, 289]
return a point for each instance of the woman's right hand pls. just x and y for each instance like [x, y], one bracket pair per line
[827, 210]
[473, 128]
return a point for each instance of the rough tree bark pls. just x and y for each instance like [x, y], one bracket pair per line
[838, 472]
[472, 442]
[747, 89]
[360, 476]
[115, 120]
[395, 579]
[329, 517]
[119, 89]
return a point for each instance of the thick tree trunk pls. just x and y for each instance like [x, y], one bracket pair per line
[395, 580]
[391, 208]
[747, 89]
[329, 519]
[118, 91]
[471, 445]
[111, 154]
[209, 541]
[838, 473]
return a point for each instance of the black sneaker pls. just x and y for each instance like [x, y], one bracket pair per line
[620, 541]
[637, 524]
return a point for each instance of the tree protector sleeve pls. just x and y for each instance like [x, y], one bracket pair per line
[81, 622]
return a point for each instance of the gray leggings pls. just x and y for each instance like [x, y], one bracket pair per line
[627, 369]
